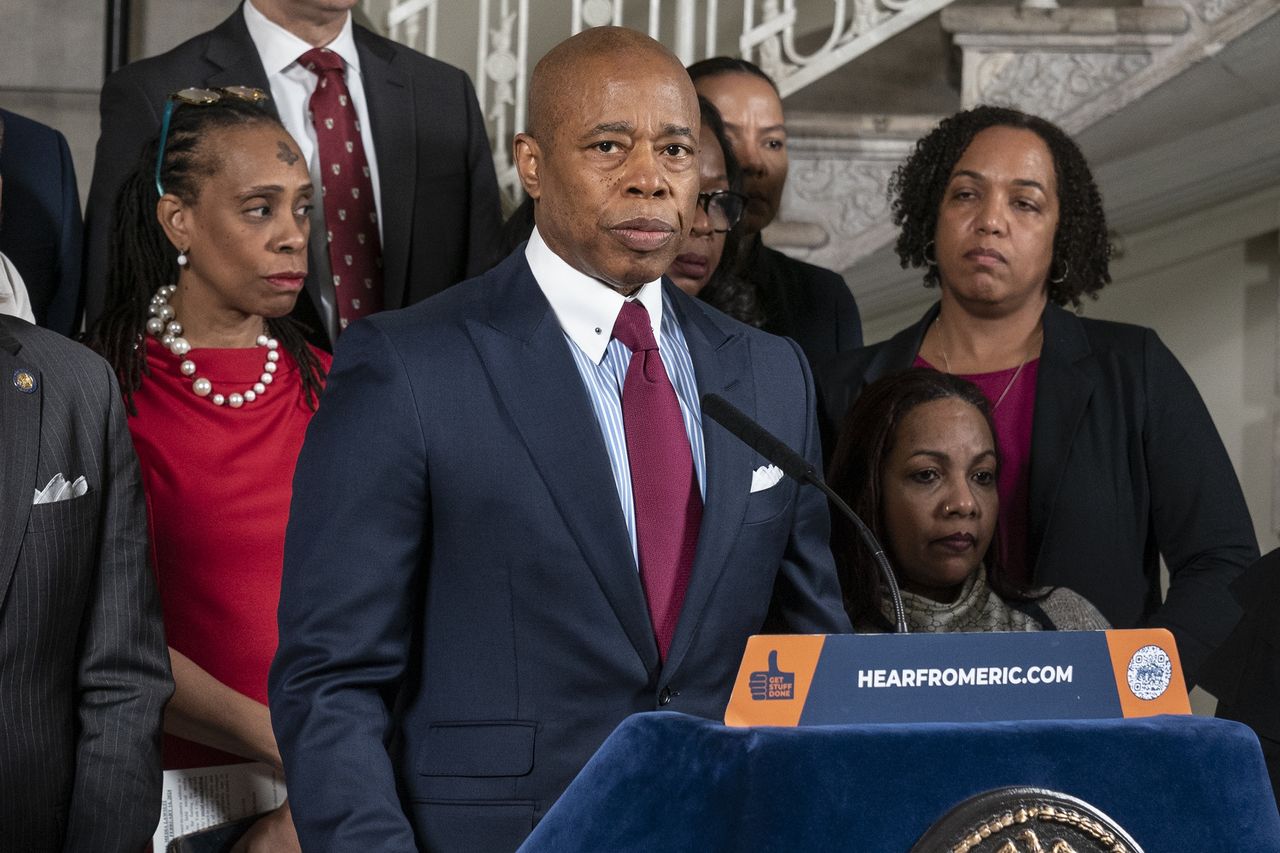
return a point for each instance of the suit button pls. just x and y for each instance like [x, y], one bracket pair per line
[664, 697]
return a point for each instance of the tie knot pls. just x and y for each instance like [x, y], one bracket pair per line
[320, 60]
[632, 327]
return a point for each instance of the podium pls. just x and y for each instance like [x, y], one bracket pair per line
[665, 781]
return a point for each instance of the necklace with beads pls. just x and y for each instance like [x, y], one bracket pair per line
[937, 325]
[164, 325]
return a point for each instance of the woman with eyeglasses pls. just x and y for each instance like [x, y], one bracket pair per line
[210, 253]
[807, 303]
[704, 268]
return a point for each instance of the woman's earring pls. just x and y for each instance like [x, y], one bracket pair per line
[1066, 269]
[933, 262]
[182, 259]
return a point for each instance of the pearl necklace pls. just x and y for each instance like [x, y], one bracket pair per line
[164, 324]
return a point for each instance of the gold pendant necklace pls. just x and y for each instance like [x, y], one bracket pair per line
[937, 324]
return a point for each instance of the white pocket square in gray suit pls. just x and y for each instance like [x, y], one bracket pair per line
[765, 477]
[60, 490]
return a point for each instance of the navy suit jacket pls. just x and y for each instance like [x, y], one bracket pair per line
[440, 213]
[40, 225]
[461, 621]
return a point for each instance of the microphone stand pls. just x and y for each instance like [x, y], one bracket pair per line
[797, 467]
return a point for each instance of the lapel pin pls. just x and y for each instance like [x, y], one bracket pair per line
[24, 381]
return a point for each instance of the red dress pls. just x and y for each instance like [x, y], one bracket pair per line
[218, 482]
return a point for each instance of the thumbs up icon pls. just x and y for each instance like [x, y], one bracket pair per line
[772, 683]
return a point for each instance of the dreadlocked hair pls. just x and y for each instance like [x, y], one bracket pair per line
[1081, 249]
[142, 260]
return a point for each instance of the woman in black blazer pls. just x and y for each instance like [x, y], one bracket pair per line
[1120, 462]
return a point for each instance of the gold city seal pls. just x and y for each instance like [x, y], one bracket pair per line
[1025, 820]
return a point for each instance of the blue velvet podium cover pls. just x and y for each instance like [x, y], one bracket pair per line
[665, 781]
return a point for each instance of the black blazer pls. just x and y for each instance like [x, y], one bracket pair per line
[440, 212]
[1244, 672]
[809, 304]
[84, 672]
[40, 229]
[1126, 467]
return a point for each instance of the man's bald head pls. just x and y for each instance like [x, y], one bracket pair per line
[610, 157]
[565, 69]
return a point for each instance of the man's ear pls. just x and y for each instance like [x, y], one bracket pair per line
[528, 160]
[175, 219]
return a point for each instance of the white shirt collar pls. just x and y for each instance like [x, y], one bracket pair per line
[586, 307]
[278, 48]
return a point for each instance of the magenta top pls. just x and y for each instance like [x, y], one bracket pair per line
[1013, 418]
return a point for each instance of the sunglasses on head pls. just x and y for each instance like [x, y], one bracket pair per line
[199, 98]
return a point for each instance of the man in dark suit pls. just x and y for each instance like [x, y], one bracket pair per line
[417, 129]
[84, 672]
[509, 532]
[42, 229]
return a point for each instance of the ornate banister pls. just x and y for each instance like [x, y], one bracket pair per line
[769, 32]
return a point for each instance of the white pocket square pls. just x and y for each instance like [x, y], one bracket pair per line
[60, 490]
[765, 477]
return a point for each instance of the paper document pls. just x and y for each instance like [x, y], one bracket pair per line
[201, 797]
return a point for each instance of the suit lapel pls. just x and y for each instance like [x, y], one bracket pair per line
[527, 359]
[900, 351]
[231, 51]
[1063, 387]
[721, 365]
[389, 95]
[19, 455]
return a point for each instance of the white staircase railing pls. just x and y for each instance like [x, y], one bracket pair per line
[856, 27]
[694, 29]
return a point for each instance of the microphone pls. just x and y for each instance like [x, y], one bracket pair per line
[798, 468]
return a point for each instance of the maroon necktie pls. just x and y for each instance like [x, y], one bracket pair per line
[664, 485]
[350, 216]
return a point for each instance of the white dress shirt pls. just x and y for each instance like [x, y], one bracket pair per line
[13, 293]
[587, 309]
[291, 90]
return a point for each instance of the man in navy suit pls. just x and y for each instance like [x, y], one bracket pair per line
[40, 226]
[422, 135]
[471, 598]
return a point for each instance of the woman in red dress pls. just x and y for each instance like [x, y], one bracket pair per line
[211, 254]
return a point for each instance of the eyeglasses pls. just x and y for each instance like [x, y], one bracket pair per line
[723, 207]
[199, 98]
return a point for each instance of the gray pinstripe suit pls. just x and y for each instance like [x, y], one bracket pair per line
[84, 673]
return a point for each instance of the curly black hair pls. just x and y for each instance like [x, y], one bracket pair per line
[142, 258]
[1081, 249]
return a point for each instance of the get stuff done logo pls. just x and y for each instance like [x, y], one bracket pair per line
[772, 683]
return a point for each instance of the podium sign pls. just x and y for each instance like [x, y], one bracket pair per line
[980, 677]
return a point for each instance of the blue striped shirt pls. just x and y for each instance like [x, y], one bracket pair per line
[604, 370]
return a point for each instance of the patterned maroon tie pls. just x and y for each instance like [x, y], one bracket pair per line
[355, 249]
[664, 484]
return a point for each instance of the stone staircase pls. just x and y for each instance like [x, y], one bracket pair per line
[1082, 67]
[1137, 82]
